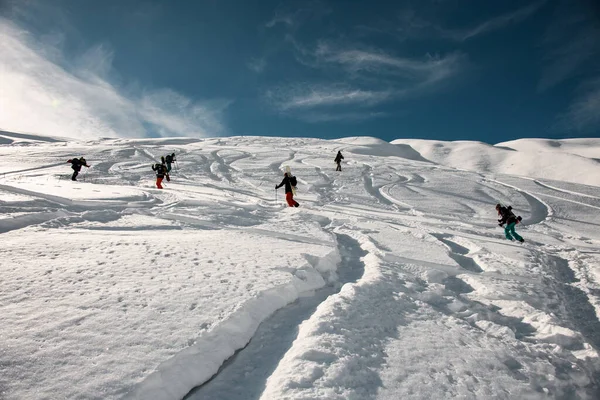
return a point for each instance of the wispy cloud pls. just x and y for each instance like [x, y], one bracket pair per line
[412, 24]
[571, 42]
[293, 14]
[52, 95]
[572, 46]
[584, 114]
[429, 69]
[301, 97]
[257, 65]
[495, 23]
[368, 77]
[354, 116]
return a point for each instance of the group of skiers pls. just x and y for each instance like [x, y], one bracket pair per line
[163, 169]
[289, 181]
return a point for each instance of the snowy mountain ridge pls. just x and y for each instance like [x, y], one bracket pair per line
[569, 160]
[391, 280]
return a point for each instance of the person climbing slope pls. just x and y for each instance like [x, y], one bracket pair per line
[290, 182]
[338, 160]
[163, 161]
[508, 217]
[170, 159]
[76, 164]
[161, 172]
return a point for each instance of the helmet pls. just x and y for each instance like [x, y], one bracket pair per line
[498, 206]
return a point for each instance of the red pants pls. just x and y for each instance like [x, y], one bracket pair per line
[158, 182]
[289, 197]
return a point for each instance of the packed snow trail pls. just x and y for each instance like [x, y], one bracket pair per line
[114, 289]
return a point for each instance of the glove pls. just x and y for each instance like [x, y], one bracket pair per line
[276, 187]
[501, 225]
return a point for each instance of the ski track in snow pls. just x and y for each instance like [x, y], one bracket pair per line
[244, 375]
[373, 252]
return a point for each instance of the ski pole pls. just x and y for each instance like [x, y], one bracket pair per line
[276, 197]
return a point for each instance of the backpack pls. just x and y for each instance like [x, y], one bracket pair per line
[293, 181]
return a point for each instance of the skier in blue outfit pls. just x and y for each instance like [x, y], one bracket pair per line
[508, 217]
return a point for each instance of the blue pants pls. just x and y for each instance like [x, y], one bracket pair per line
[509, 231]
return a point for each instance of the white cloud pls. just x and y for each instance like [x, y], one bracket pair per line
[584, 113]
[316, 117]
[257, 65]
[375, 77]
[313, 96]
[37, 95]
[496, 23]
[571, 43]
[170, 112]
[293, 14]
[412, 25]
[430, 69]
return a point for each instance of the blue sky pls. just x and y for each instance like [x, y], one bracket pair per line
[432, 69]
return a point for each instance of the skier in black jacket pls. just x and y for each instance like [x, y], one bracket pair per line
[76, 164]
[288, 181]
[161, 171]
[510, 219]
[170, 159]
[338, 160]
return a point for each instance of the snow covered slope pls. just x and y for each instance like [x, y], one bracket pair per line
[391, 280]
[571, 160]
[589, 147]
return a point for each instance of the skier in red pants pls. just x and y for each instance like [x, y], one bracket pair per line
[161, 171]
[288, 181]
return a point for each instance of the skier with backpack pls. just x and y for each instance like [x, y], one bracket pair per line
[170, 159]
[76, 164]
[338, 160]
[161, 172]
[163, 161]
[290, 183]
[510, 219]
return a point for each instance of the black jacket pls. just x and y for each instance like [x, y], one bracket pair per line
[506, 215]
[170, 159]
[339, 157]
[161, 170]
[287, 183]
[77, 163]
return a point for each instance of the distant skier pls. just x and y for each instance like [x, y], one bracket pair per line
[76, 164]
[290, 182]
[170, 159]
[163, 161]
[508, 217]
[338, 160]
[161, 172]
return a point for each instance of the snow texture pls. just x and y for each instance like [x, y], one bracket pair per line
[392, 279]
